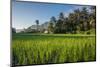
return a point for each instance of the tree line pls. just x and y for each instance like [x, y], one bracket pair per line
[76, 22]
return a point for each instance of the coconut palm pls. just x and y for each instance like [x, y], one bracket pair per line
[37, 23]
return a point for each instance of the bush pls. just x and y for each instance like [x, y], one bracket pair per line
[88, 32]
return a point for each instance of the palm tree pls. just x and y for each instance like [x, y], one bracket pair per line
[37, 23]
[84, 19]
[50, 27]
[71, 20]
[77, 15]
[77, 20]
[92, 16]
[61, 16]
[53, 19]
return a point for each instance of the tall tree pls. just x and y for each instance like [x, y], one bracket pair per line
[65, 25]
[61, 16]
[92, 18]
[53, 19]
[84, 19]
[37, 23]
[93, 9]
[71, 19]
[77, 14]
[13, 30]
[50, 27]
[60, 27]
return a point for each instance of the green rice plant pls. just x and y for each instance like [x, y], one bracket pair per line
[53, 48]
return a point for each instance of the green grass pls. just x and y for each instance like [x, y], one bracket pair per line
[52, 48]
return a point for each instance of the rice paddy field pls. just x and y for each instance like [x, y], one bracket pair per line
[52, 48]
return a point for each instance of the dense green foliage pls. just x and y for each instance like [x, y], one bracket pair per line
[13, 30]
[77, 21]
[52, 48]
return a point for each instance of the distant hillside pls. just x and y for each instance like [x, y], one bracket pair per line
[42, 26]
[19, 30]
